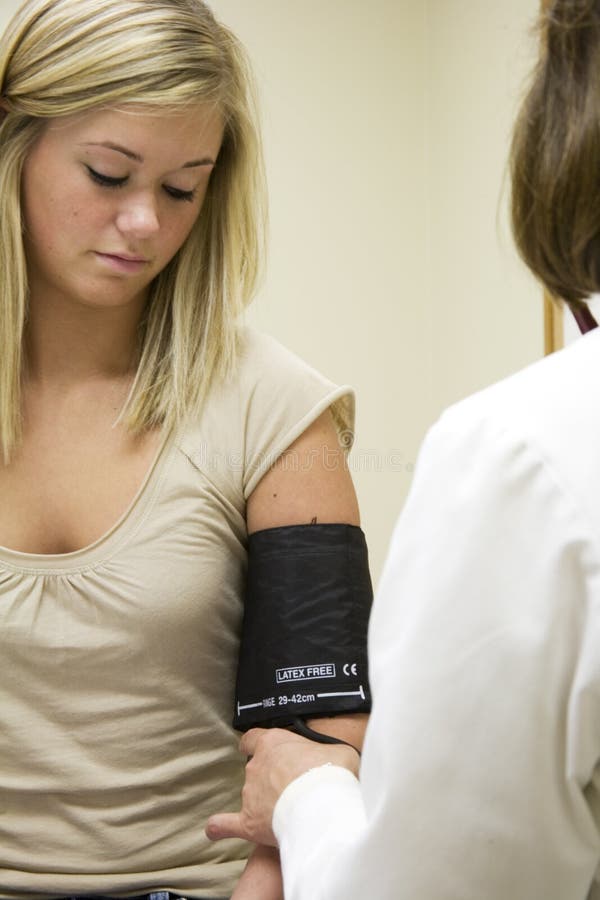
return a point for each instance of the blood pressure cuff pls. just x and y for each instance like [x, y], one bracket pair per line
[304, 637]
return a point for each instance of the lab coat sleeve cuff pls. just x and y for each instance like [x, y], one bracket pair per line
[325, 794]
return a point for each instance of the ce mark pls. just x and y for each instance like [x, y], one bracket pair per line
[350, 669]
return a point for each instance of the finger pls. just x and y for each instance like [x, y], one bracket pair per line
[250, 739]
[225, 825]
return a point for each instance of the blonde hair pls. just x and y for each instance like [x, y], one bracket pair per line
[60, 57]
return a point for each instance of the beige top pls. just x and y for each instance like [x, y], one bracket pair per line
[118, 660]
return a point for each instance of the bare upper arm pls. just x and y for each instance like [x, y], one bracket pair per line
[309, 481]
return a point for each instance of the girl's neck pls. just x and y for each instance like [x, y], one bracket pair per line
[69, 343]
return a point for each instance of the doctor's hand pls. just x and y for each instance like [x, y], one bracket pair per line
[277, 757]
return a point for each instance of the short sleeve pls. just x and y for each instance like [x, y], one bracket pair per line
[248, 422]
[284, 396]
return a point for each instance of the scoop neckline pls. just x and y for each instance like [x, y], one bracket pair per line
[105, 545]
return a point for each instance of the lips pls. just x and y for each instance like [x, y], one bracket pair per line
[122, 263]
[126, 257]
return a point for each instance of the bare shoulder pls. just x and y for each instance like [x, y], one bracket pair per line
[310, 481]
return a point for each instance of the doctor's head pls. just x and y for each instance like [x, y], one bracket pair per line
[556, 154]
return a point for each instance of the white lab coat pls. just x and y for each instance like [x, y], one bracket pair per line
[479, 777]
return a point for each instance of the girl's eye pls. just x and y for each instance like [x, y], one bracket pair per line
[177, 194]
[106, 180]
[109, 182]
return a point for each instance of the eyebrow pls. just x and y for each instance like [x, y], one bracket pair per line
[205, 161]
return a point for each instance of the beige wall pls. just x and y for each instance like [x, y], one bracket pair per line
[488, 310]
[344, 93]
[386, 127]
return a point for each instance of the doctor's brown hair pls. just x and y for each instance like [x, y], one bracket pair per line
[555, 157]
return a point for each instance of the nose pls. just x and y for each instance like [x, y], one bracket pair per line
[138, 216]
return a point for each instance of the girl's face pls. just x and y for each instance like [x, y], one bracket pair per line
[109, 197]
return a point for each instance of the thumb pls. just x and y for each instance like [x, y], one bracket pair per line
[225, 825]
